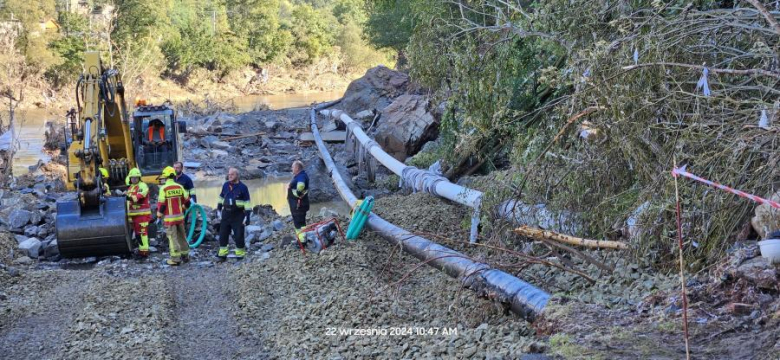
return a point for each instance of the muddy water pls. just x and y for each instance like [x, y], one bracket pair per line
[30, 127]
[268, 191]
[30, 123]
[283, 101]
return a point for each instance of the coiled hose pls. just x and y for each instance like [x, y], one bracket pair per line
[193, 221]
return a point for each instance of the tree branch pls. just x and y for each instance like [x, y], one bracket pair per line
[768, 16]
[762, 72]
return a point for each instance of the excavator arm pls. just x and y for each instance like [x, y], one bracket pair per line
[95, 224]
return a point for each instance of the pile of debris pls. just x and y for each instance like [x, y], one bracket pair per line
[258, 143]
[29, 214]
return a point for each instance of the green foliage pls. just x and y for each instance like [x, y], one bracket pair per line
[391, 23]
[313, 32]
[33, 39]
[176, 37]
[350, 12]
[357, 54]
[70, 47]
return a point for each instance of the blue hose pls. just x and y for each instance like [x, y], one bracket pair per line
[194, 220]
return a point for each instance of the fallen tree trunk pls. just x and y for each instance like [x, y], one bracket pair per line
[540, 234]
[521, 297]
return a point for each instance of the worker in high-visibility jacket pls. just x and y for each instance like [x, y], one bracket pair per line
[234, 213]
[171, 203]
[298, 198]
[139, 211]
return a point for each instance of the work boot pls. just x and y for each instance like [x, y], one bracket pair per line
[173, 262]
[222, 254]
[240, 253]
[185, 258]
[301, 236]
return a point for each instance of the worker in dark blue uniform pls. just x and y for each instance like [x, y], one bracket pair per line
[184, 180]
[234, 212]
[298, 198]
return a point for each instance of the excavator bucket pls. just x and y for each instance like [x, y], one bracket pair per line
[101, 231]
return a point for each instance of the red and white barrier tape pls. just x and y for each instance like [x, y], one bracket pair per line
[682, 171]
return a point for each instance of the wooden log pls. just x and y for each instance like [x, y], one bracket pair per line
[242, 136]
[540, 234]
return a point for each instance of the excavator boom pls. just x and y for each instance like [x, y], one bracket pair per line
[94, 224]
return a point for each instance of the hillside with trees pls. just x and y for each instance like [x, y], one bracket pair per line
[178, 40]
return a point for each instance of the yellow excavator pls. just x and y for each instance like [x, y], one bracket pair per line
[101, 135]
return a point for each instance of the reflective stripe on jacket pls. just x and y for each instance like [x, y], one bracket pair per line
[141, 205]
[171, 202]
[298, 192]
[234, 197]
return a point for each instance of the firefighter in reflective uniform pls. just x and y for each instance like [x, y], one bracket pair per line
[298, 198]
[171, 203]
[138, 209]
[234, 212]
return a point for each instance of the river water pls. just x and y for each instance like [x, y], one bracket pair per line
[268, 191]
[30, 127]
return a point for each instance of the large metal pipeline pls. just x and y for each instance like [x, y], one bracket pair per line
[522, 298]
[419, 180]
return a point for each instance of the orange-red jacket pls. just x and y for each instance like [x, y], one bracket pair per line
[171, 202]
[138, 200]
[160, 131]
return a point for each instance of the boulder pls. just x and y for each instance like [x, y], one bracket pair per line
[267, 232]
[251, 229]
[375, 90]
[758, 271]
[406, 126]
[250, 238]
[51, 250]
[31, 231]
[256, 173]
[20, 239]
[265, 212]
[19, 218]
[767, 218]
[218, 153]
[278, 225]
[220, 145]
[321, 188]
[31, 247]
[24, 260]
[267, 247]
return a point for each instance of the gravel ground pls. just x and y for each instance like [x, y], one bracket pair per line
[311, 300]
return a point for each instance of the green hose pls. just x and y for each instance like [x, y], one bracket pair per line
[193, 220]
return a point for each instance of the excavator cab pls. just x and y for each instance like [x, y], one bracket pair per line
[156, 136]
